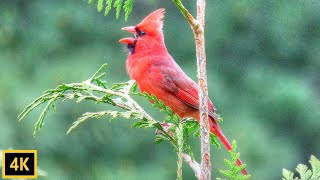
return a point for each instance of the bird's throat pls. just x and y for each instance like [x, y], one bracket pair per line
[131, 48]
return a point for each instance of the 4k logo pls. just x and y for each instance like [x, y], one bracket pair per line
[19, 164]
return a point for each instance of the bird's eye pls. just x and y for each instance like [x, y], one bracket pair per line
[139, 32]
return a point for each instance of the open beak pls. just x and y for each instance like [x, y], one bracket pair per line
[127, 40]
[131, 29]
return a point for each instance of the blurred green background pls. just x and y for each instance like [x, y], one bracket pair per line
[263, 61]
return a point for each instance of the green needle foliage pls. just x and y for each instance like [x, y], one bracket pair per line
[120, 95]
[304, 172]
[234, 171]
[96, 89]
[118, 5]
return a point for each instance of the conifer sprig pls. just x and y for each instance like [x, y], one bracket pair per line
[304, 172]
[121, 95]
[118, 5]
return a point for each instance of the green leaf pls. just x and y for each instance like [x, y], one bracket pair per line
[234, 171]
[54, 108]
[193, 126]
[287, 175]
[214, 141]
[142, 124]
[304, 172]
[118, 5]
[126, 5]
[119, 95]
[100, 5]
[128, 8]
[108, 8]
[160, 104]
[43, 114]
[160, 139]
[94, 76]
[134, 88]
[80, 98]
[113, 114]
[315, 164]
[30, 107]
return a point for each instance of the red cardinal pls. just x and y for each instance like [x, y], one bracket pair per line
[156, 72]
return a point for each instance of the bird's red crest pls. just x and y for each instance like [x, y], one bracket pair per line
[153, 22]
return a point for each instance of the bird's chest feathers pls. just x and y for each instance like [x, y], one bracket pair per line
[141, 68]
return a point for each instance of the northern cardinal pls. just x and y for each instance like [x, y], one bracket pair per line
[156, 72]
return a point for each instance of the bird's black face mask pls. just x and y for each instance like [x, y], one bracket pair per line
[131, 48]
[139, 32]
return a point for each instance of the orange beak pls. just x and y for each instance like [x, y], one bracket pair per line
[131, 29]
[127, 40]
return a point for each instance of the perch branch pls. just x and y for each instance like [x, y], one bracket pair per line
[198, 26]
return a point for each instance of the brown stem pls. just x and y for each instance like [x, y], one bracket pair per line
[193, 164]
[198, 27]
[203, 91]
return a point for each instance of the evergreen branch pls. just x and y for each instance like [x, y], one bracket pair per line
[127, 8]
[163, 108]
[43, 114]
[288, 175]
[119, 95]
[234, 171]
[304, 172]
[95, 89]
[315, 165]
[118, 5]
[108, 7]
[31, 106]
[98, 115]
[100, 5]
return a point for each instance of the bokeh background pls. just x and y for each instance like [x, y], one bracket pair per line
[263, 75]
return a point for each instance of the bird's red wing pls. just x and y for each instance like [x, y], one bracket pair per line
[190, 97]
[186, 90]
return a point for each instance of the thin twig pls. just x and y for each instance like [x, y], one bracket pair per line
[186, 13]
[193, 164]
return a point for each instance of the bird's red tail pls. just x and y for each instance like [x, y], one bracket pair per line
[215, 129]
